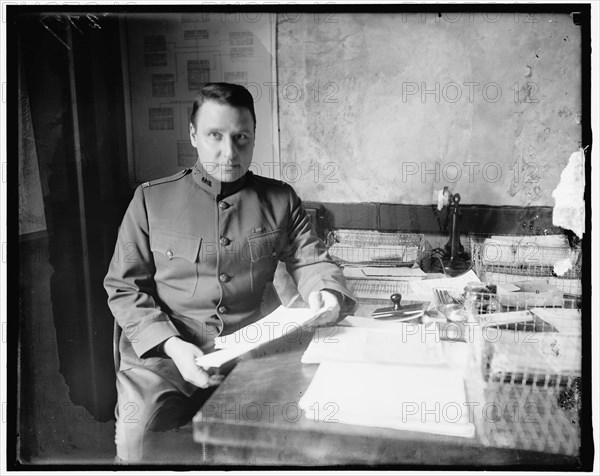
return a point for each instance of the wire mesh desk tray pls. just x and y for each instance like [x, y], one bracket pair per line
[373, 248]
[532, 370]
[376, 289]
[508, 259]
[520, 416]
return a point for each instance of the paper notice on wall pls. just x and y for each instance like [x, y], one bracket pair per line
[186, 153]
[163, 85]
[170, 61]
[569, 208]
[240, 77]
[160, 118]
[195, 35]
[198, 74]
[155, 50]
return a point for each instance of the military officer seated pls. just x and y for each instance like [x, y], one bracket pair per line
[195, 258]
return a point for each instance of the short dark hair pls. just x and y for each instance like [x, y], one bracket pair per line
[234, 95]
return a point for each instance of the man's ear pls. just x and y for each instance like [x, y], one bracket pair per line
[193, 134]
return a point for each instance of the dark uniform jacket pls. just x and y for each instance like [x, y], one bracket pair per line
[195, 258]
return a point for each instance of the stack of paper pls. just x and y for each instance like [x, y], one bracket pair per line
[386, 375]
[417, 398]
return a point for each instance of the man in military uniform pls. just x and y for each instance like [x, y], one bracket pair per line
[195, 258]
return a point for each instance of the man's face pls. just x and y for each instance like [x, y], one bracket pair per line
[224, 138]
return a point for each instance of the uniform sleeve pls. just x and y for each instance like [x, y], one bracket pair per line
[308, 261]
[130, 284]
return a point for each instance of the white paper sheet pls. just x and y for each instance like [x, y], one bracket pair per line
[566, 321]
[540, 353]
[280, 322]
[221, 357]
[502, 318]
[423, 290]
[406, 343]
[425, 399]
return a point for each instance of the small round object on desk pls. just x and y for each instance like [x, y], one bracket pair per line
[453, 312]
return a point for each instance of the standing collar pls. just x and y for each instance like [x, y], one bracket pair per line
[215, 186]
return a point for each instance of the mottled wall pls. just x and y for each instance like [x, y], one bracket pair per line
[390, 107]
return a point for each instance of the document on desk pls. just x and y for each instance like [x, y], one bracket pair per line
[423, 290]
[566, 321]
[404, 343]
[282, 321]
[536, 355]
[417, 398]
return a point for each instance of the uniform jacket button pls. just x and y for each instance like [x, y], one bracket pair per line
[169, 254]
[223, 309]
[224, 241]
[224, 277]
[223, 205]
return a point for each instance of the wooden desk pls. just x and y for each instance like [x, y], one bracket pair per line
[254, 419]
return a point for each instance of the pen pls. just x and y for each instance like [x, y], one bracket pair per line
[403, 316]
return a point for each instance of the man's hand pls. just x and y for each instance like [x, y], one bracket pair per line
[184, 356]
[327, 303]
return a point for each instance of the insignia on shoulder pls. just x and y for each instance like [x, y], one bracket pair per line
[171, 178]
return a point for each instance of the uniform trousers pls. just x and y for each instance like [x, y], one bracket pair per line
[148, 404]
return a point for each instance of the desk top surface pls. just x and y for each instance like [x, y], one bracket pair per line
[253, 418]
